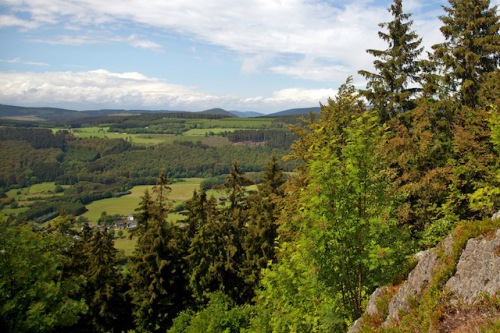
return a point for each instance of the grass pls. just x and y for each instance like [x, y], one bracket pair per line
[204, 126]
[124, 243]
[28, 196]
[181, 192]
[32, 191]
[205, 131]
[124, 205]
[234, 122]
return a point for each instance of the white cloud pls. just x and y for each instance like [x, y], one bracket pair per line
[99, 87]
[13, 21]
[22, 62]
[313, 69]
[300, 96]
[253, 28]
[143, 44]
[102, 89]
[71, 40]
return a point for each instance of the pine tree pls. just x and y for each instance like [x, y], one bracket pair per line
[390, 90]
[104, 283]
[145, 212]
[206, 254]
[158, 276]
[235, 185]
[259, 240]
[472, 46]
[196, 212]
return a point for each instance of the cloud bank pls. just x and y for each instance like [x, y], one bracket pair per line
[135, 90]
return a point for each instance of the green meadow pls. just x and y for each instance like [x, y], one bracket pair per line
[28, 196]
[127, 204]
[202, 127]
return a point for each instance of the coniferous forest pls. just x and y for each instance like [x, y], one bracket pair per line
[378, 175]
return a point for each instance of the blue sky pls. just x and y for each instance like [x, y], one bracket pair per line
[249, 55]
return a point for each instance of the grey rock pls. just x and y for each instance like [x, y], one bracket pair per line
[355, 327]
[371, 308]
[496, 215]
[478, 270]
[417, 280]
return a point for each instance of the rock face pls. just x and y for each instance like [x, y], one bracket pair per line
[478, 270]
[417, 280]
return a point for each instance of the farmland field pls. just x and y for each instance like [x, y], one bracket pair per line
[203, 128]
[25, 197]
[137, 139]
[124, 205]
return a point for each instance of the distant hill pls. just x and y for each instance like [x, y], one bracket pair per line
[246, 114]
[20, 113]
[218, 111]
[292, 112]
[37, 113]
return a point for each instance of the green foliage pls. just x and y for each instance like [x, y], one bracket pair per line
[294, 299]
[346, 239]
[294, 256]
[471, 49]
[220, 315]
[389, 89]
[158, 282]
[35, 294]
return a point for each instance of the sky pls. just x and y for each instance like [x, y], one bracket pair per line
[246, 55]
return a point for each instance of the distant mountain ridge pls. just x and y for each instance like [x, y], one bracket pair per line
[246, 114]
[297, 111]
[21, 113]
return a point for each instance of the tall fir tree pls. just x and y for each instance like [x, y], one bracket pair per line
[391, 89]
[472, 47]
[261, 229]
[158, 276]
[105, 286]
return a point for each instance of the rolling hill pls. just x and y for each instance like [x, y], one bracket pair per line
[37, 114]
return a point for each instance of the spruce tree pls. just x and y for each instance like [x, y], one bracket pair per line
[104, 283]
[207, 255]
[158, 277]
[261, 229]
[472, 46]
[391, 89]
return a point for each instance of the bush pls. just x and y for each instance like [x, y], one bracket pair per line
[220, 315]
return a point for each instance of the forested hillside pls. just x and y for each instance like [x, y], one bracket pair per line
[371, 186]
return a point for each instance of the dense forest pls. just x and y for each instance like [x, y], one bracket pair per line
[370, 187]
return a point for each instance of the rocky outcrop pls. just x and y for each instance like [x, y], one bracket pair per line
[478, 270]
[417, 280]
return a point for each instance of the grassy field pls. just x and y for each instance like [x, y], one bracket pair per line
[204, 131]
[234, 123]
[28, 196]
[37, 190]
[124, 205]
[181, 192]
[203, 126]
[136, 139]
